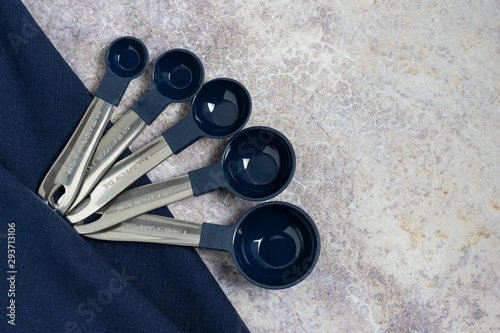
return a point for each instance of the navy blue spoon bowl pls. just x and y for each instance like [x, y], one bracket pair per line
[257, 164]
[126, 59]
[220, 109]
[178, 76]
[275, 245]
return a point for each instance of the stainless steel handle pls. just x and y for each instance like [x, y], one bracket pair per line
[113, 143]
[69, 168]
[120, 176]
[153, 229]
[140, 200]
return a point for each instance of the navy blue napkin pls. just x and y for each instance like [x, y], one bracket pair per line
[60, 281]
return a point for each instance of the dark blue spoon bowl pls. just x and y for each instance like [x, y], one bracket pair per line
[257, 164]
[221, 108]
[275, 245]
[126, 58]
[178, 76]
[217, 109]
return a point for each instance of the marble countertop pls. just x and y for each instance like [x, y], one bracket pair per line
[393, 109]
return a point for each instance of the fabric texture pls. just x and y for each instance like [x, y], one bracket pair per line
[64, 282]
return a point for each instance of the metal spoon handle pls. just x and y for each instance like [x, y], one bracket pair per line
[140, 200]
[120, 176]
[153, 229]
[69, 168]
[112, 144]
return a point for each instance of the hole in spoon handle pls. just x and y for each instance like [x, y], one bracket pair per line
[69, 168]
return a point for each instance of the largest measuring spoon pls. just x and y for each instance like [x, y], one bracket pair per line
[221, 108]
[177, 76]
[126, 59]
[275, 245]
[257, 164]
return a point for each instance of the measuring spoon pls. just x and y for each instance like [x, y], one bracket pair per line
[257, 164]
[275, 245]
[219, 110]
[126, 59]
[177, 76]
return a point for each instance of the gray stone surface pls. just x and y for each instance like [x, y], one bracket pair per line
[394, 110]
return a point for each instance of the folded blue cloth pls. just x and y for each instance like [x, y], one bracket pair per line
[63, 282]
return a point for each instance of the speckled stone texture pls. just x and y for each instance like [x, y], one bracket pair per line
[393, 108]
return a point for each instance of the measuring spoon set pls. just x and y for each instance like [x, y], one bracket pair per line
[275, 245]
